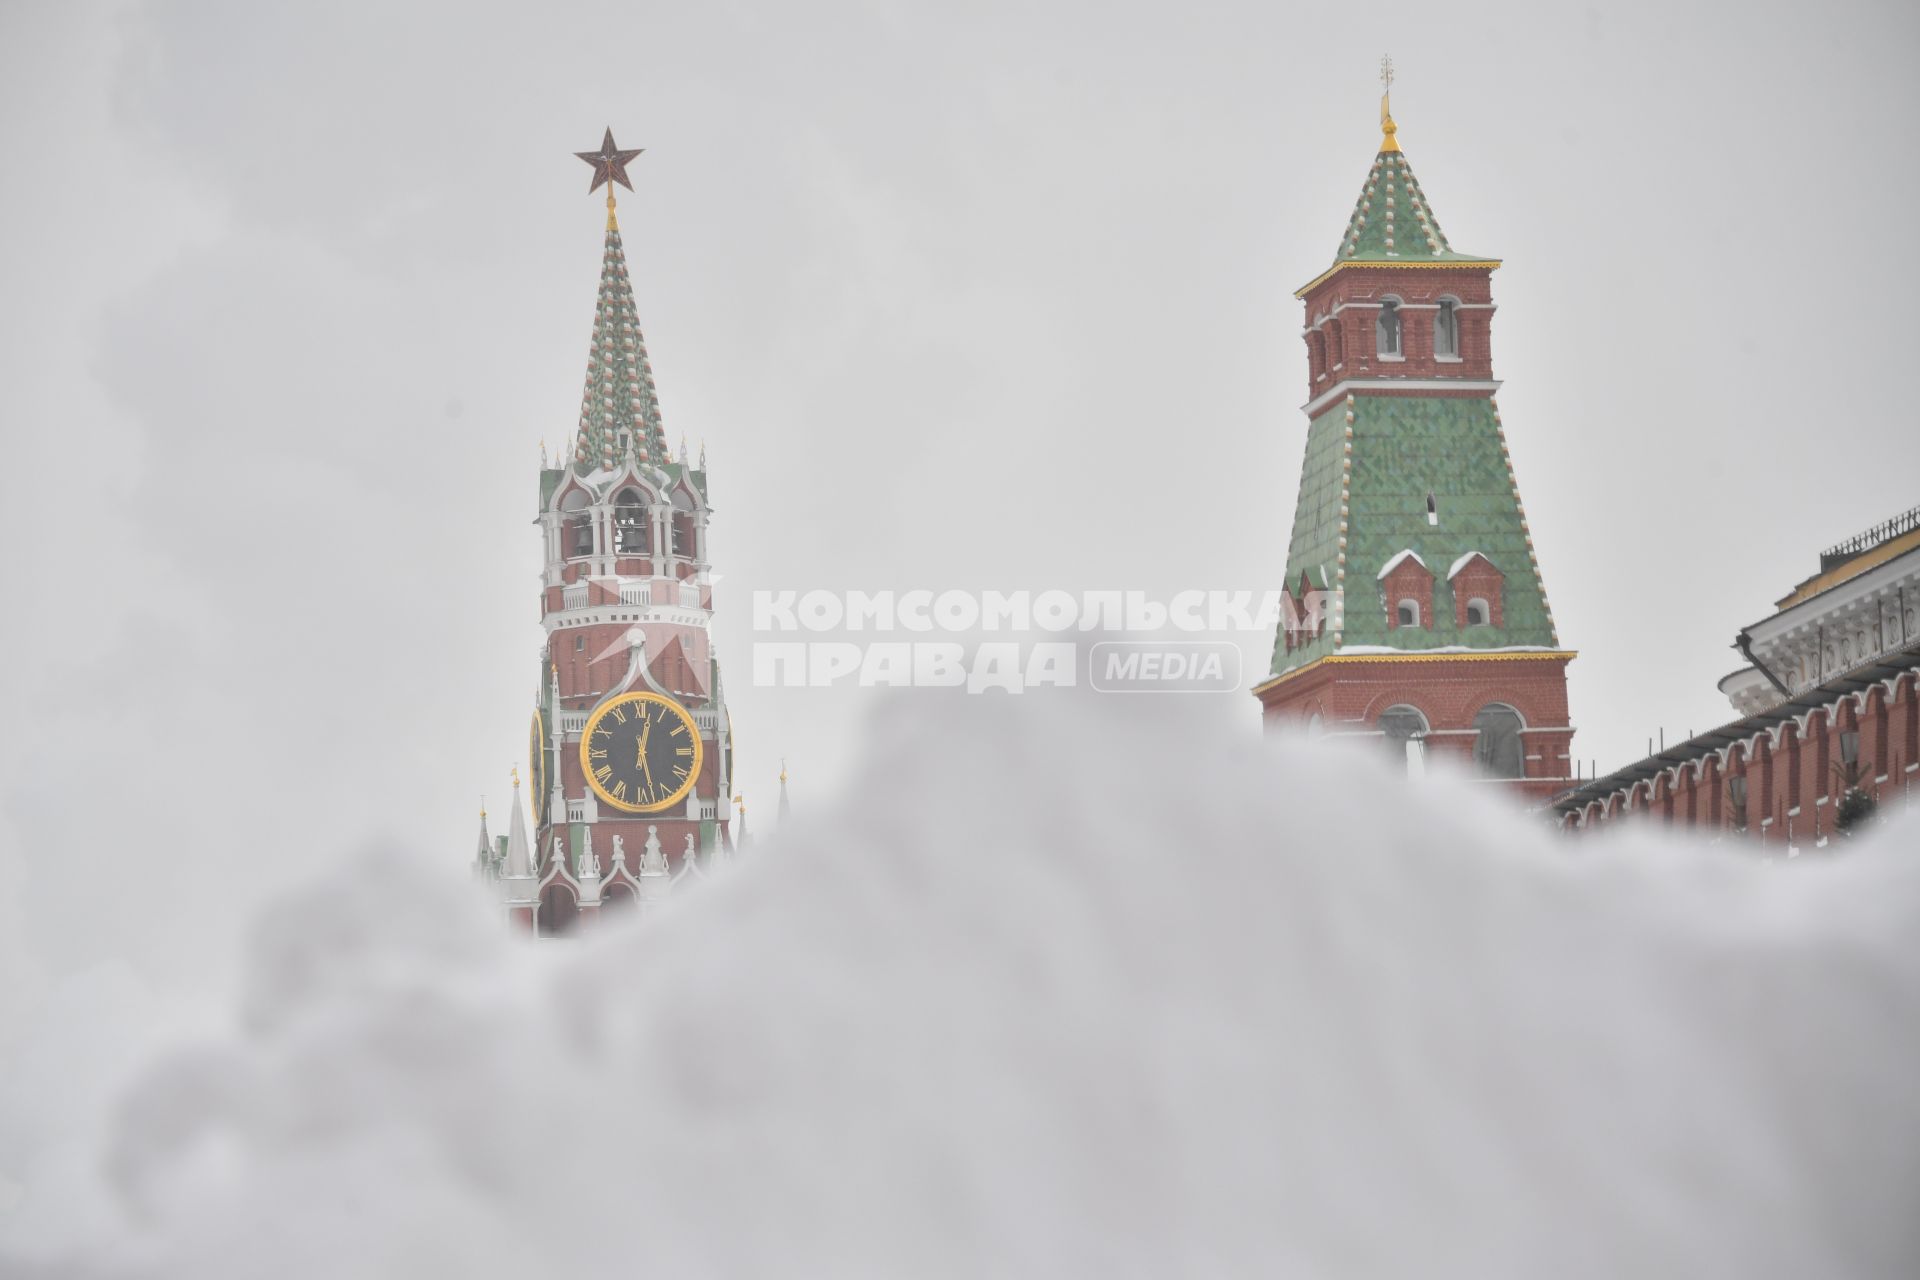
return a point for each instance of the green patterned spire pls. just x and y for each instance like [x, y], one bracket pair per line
[1370, 472]
[620, 405]
[1392, 221]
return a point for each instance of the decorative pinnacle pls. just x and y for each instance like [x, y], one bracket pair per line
[1387, 127]
[514, 773]
[783, 768]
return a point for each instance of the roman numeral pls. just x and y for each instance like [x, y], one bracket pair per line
[619, 715]
[604, 773]
[683, 751]
[600, 754]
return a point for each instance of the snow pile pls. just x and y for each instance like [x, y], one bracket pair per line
[1072, 986]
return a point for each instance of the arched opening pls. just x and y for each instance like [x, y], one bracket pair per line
[1316, 355]
[1386, 328]
[1479, 613]
[1405, 731]
[632, 531]
[1433, 510]
[684, 525]
[616, 895]
[1446, 330]
[1407, 613]
[576, 528]
[558, 910]
[1497, 748]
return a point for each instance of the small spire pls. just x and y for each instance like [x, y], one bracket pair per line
[781, 812]
[1387, 127]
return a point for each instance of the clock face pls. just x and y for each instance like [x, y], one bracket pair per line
[537, 768]
[641, 752]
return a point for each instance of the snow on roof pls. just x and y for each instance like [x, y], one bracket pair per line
[1461, 563]
[1371, 649]
[1395, 563]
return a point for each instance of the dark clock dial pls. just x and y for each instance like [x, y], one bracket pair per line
[537, 768]
[641, 752]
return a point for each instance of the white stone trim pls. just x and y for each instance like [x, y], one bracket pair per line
[1327, 397]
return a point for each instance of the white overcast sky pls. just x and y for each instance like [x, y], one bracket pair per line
[977, 296]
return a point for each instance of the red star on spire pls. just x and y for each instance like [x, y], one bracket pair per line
[609, 163]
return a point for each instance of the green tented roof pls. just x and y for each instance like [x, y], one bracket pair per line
[619, 405]
[1402, 449]
[1392, 221]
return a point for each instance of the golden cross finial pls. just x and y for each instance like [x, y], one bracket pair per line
[1387, 128]
[514, 773]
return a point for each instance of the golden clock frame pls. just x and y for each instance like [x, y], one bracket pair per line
[635, 699]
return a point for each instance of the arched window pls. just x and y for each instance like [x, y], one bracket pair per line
[1433, 510]
[557, 911]
[1316, 355]
[683, 524]
[1408, 614]
[1479, 613]
[1386, 329]
[1446, 330]
[577, 527]
[1496, 748]
[632, 529]
[1405, 731]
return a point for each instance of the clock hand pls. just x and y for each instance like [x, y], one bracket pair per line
[646, 768]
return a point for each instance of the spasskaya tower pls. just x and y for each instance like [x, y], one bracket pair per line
[630, 750]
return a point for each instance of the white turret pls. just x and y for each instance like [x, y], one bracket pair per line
[655, 882]
[518, 888]
[589, 872]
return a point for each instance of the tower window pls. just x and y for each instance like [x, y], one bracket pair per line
[631, 525]
[1446, 330]
[1433, 510]
[1409, 613]
[577, 532]
[1386, 329]
[1405, 731]
[1496, 748]
[1479, 613]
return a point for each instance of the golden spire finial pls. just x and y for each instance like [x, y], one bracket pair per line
[1387, 127]
[514, 773]
[613, 223]
[783, 768]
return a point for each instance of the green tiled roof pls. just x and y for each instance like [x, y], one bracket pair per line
[1370, 488]
[1392, 221]
[619, 405]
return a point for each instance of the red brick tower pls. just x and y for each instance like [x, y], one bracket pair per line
[1415, 610]
[630, 755]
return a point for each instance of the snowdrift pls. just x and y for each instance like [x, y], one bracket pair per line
[1070, 985]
